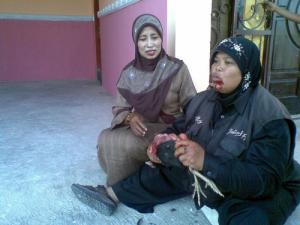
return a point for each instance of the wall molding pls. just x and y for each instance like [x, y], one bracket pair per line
[8, 16]
[116, 6]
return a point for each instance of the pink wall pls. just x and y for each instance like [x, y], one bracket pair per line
[117, 48]
[47, 50]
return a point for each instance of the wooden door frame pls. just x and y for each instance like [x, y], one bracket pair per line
[97, 41]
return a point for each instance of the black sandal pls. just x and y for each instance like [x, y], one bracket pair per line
[95, 197]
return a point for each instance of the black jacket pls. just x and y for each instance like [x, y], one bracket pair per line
[249, 150]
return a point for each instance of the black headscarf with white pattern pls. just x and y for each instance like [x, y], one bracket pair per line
[247, 56]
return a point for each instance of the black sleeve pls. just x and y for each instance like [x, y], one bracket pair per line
[177, 127]
[262, 170]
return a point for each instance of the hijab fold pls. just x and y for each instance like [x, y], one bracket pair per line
[145, 83]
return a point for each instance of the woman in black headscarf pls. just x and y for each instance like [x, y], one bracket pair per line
[151, 93]
[236, 143]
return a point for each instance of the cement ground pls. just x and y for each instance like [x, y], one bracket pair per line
[48, 133]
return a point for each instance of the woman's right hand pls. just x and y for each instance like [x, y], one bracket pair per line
[158, 139]
[137, 126]
[152, 155]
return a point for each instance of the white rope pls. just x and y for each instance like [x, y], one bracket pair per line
[197, 188]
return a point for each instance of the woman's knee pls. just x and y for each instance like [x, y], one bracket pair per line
[101, 149]
[101, 158]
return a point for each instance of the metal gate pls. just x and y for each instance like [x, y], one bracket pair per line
[279, 41]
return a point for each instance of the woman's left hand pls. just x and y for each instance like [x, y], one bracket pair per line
[189, 153]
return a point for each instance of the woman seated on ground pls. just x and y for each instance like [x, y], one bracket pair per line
[235, 142]
[151, 93]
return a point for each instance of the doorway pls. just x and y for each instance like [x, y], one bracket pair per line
[277, 39]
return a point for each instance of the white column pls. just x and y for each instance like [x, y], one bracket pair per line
[189, 25]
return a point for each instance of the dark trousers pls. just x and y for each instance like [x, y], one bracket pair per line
[150, 187]
[273, 211]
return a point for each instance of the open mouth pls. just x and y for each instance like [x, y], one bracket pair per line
[151, 52]
[218, 82]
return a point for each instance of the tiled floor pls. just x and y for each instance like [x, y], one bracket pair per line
[48, 132]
